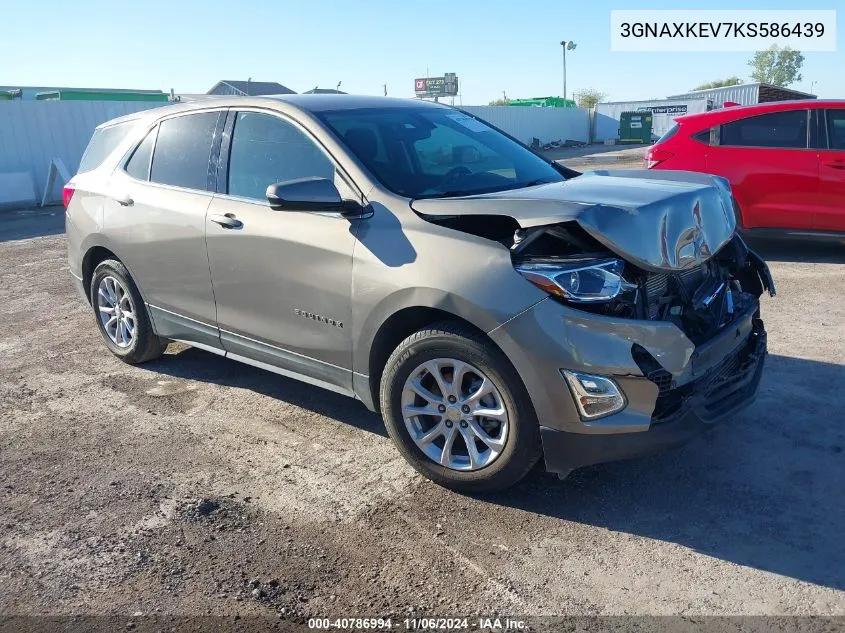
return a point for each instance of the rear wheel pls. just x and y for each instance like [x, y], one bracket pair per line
[121, 314]
[457, 411]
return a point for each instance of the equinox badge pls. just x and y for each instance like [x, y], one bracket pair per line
[317, 317]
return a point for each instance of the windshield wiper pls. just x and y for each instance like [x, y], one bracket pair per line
[444, 194]
[539, 181]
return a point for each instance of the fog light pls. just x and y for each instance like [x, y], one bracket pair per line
[595, 396]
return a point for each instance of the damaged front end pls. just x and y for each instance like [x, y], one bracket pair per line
[674, 290]
[623, 244]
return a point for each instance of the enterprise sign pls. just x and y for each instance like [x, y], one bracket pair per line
[672, 109]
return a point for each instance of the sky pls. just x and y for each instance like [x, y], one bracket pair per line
[494, 46]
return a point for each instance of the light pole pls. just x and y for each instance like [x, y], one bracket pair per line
[566, 46]
[813, 83]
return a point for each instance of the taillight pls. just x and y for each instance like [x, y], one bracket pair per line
[67, 194]
[655, 155]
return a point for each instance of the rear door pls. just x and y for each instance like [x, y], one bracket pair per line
[772, 168]
[831, 210]
[157, 222]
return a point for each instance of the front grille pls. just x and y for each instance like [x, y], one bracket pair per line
[661, 289]
[722, 388]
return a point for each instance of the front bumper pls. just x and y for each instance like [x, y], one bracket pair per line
[680, 414]
[683, 388]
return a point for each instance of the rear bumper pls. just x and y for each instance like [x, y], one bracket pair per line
[679, 415]
[80, 287]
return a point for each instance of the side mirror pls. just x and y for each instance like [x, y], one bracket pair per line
[305, 194]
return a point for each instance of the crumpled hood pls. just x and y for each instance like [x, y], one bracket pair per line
[657, 220]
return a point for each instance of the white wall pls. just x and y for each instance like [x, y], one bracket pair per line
[32, 133]
[546, 124]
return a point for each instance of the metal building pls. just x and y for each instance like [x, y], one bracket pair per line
[745, 94]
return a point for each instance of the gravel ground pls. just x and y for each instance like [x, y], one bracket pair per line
[195, 485]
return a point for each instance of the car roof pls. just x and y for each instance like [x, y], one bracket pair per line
[730, 113]
[311, 103]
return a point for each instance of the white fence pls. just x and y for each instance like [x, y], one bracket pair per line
[546, 124]
[32, 133]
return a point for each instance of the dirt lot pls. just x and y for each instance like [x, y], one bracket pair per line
[195, 485]
[593, 157]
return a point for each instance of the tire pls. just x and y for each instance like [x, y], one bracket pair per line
[453, 341]
[144, 344]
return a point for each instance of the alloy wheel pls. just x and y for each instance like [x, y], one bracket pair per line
[117, 314]
[455, 414]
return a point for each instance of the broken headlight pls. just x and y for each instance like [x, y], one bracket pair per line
[581, 281]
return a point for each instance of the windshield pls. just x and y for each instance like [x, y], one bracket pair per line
[437, 152]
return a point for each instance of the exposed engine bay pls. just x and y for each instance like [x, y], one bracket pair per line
[699, 300]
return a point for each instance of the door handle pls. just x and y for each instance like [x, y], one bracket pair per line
[227, 221]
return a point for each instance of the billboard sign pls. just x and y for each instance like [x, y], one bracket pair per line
[445, 86]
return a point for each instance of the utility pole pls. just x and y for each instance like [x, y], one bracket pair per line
[570, 45]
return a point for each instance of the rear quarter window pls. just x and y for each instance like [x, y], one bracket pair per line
[103, 142]
[139, 164]
[702, 137]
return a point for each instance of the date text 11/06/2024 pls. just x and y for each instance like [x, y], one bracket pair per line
[418, 624]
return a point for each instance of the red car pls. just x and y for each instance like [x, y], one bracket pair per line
[785, 162]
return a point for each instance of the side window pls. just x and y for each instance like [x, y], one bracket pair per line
[787, 129]
[139, 164]
[265, 150]
[103, 142]
[836, 129]
[182, 151]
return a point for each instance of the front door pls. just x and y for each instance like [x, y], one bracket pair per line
[831, 210]
[282, 279]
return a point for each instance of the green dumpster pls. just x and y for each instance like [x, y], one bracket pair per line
[635, 127]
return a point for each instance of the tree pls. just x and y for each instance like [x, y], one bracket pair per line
[503, 101]
[777, 66]
[720, 83]
[589, 97]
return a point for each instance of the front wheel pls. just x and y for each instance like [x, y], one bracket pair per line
[457, 410]
[121, 314]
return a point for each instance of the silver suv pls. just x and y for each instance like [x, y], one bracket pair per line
[494, 307]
